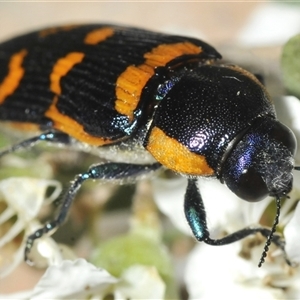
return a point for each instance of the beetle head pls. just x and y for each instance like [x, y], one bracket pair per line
[261, 162]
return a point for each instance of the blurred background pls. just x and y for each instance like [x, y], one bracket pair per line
[241, 30]
[217, 22]
[249, 33]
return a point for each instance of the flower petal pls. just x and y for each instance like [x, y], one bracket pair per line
[288, 111]
[141, 282]
[213, 272]
[169, 195]
[292, 237]
[73, 280]
[26, 195]
[24, 198]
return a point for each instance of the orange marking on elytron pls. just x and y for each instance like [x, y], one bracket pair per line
[176, 156]
[131, 82]
[98, 35]
[54, 30]
[61, 68]
[72, 127]
[14, 76]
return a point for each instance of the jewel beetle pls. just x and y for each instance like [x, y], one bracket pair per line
[141, 101]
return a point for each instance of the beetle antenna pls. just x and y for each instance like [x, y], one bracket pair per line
[297, 168]
[270, 237]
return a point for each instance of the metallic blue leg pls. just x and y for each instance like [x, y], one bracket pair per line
[108, 171]
[196, 217]
[49, 136]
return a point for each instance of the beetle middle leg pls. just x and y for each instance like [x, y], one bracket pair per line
[106, 171]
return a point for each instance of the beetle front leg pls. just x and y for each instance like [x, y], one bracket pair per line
[196, 217]
[108, 171]
[195, 211]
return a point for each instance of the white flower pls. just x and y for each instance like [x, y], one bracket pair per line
[140, 282]
[65, 279]
[81, 280]
[291, 233]
[209, 266]
[227, 267]
[23, 198]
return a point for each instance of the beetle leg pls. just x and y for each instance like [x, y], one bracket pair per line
[196, 217]
[107, 171]
[195, 211]
[48, 136]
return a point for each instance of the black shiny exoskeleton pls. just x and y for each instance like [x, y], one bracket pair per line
[141, 101]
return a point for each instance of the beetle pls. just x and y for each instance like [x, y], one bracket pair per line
[142, 101]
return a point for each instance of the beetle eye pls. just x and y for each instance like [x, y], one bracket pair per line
[261, 163]
[250, 186]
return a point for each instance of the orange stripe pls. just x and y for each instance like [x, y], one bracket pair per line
[72, 127]
[131, 82]
[14, 76]
[98, 35]
[176, 156]
[61, 68]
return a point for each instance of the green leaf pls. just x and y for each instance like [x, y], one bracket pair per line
[290, 62]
